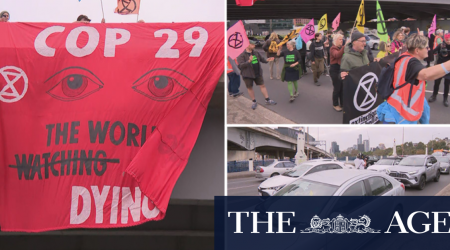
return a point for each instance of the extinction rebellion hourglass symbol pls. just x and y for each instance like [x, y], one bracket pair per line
[236, 40]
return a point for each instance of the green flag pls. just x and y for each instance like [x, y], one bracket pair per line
[381, 25]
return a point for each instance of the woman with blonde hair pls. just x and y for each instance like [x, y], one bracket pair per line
[385, 50]
[397, 44]
[272, 52]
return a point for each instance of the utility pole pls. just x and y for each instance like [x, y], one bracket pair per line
[270, 27]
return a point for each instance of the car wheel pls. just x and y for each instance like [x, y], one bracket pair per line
[438, 176]
[274, 174]
[375, 46]
[422, 183]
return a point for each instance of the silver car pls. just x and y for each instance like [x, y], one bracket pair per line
[416, 170]
[444, 164]
[344, 182]
[272, 185]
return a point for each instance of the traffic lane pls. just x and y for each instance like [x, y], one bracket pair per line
[314, 104]
[250, 187]
[431, 187]
[243, 187]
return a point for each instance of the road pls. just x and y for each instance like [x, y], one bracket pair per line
[249, 186]
[315, 106]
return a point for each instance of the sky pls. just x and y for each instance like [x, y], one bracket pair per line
[63, 11]
[346, 136]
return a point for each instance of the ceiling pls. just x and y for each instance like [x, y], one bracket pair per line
[290, 9]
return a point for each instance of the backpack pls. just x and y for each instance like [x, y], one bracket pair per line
[385, 86]
[273, 48]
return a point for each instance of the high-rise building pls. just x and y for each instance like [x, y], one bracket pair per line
[334, 147]
[360, 141]
[361, 147]
[382, 146]
[355, 147]
[366, 146]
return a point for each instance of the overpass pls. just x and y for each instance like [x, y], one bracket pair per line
[290, 9]
[243, 142]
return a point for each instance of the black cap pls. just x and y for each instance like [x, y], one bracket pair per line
[357, 35]
[81, 17]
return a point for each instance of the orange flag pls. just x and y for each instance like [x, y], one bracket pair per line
[125, 7]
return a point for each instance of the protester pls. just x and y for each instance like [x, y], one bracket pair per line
[397, 44]
[4, 16]
[369, 52]
[303, 55]
[85, 19]
[249, 62]
[234, 78]
[337, 51]
[354, 54]
[438, 39]
[430, 57]
[443, 56]
[330, 44]
[291, 69]
[407, 31]
[271, 48]
[359, 162]
[385, 50]
[407, 105]
[317, 57]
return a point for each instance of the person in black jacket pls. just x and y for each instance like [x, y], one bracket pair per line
[317, 57]
[303, 56]
[430, 57]
[443, 52]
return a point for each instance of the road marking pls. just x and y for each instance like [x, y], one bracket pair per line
[430, 91]
[244, 187]
[242, 181]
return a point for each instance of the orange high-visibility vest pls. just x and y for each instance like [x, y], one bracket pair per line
[408, 101]
[229, 68]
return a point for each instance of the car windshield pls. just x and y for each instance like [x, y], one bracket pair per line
[307, 188]
[442, 159]
[385, 162]
[412, 161]
[298, 171]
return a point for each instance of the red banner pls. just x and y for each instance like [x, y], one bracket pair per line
[97, 121]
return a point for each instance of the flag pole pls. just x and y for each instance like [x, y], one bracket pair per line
[103, 13]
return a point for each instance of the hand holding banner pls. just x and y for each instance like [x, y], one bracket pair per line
[237, 40]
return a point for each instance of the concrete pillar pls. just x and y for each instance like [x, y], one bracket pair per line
[346, 159]
[278, 155]
[250, 166]
[282, 155]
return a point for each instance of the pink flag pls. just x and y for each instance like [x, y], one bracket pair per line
[337, 21]
[237, 40]
[432, 27]
[308, 31]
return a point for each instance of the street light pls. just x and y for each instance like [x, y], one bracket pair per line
[432, 141]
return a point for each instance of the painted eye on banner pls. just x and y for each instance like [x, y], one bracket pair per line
[73, 83]
[162, 84]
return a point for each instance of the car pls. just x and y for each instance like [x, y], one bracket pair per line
[385, 163]
[371, 160]
[274, 169]
[444, 164]
[258, 42]
[344, 182]
[372, 41]
[272, 185]
[416, 170]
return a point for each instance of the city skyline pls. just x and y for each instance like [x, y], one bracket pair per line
[346, 137]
